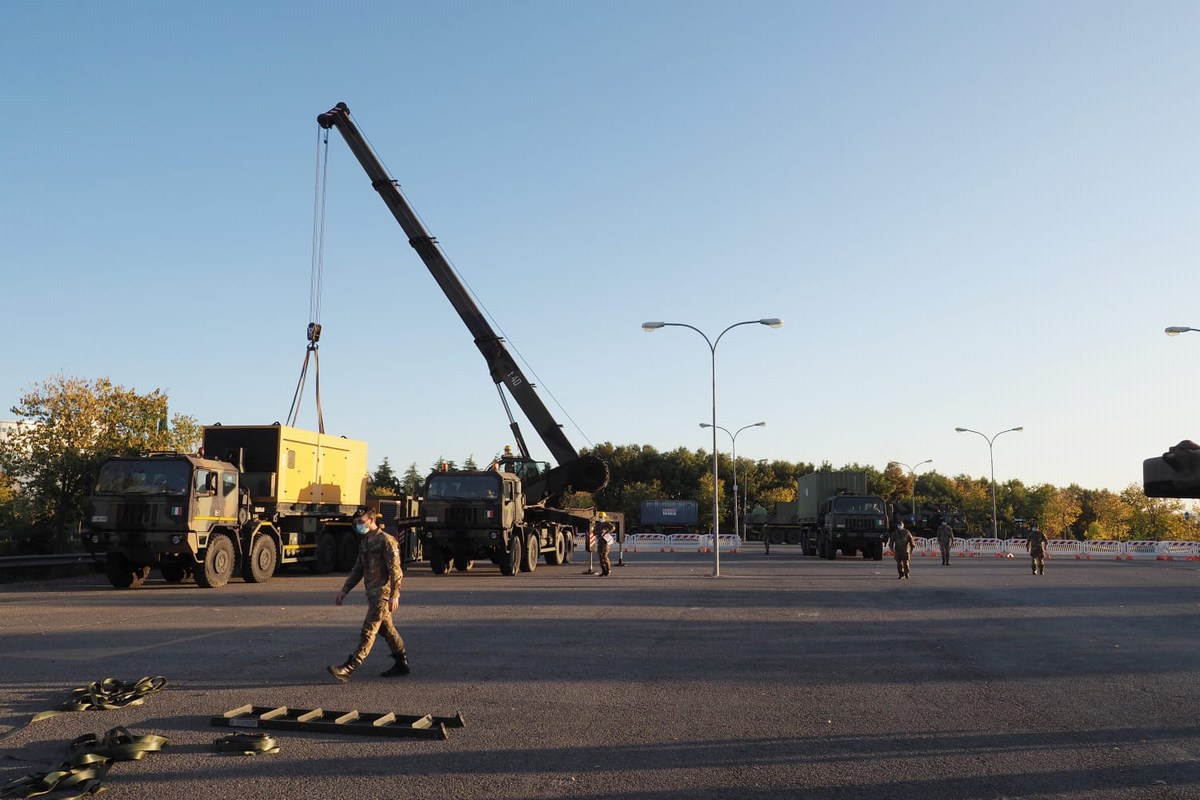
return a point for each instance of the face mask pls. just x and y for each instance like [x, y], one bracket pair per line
[361, 527]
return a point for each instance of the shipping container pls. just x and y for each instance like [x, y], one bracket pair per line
[683, 513]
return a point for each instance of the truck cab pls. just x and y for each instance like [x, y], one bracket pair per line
[853, 523]
[467, 515]
[159, 510]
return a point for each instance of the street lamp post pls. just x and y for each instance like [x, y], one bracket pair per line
[992, 461]
[733, 440]
[912, 474]
[770, 322]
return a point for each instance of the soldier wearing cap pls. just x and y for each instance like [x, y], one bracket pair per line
[902, 543]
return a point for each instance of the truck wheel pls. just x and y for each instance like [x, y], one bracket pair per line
[219, 559]
[515, 554]
[173, 571]
[325, 560]
[463, 564]
[264, 557]
[559, 554]
[437, 561]
[347, 551]
[120, 571]
[532, 545]
[792, 537]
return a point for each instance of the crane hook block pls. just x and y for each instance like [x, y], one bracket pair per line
[314, 332]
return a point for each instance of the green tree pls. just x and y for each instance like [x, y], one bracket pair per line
[1105, 515]
[412, 481]
[470, 463]
[383, 482]
[66, 428]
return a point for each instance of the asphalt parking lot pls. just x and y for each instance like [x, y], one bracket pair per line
[785, 677]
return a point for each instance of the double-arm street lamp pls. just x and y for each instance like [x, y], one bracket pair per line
[733, 442]
[770, 322]
[992, 461]
[912, 474]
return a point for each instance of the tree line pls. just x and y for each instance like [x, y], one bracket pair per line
[66, 427]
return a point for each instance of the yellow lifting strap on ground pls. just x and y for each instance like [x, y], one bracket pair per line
[248, 744]
[419, 726]
[88, 761]
[100, 695]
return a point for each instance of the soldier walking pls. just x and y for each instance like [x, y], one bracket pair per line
[902, 543]
[1035, 543]
[378, 567]
[945, 537]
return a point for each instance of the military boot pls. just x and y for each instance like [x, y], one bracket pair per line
[341, 673]
[398, 668]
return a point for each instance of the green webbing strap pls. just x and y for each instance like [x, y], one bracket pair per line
[88, 760]
[105, 694]
[248, 744]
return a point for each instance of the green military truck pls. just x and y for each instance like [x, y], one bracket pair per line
[252, 499]
[836, 513]
[470, 515]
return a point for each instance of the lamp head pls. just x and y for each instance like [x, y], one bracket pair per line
[1175, 330]
[771, 322]
[960, 430]
[652, 326]
[759, 425]
[1018, 429]
[705, 425]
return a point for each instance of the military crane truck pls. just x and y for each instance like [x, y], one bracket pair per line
[835, 512]
[252, 499]
[527, 518]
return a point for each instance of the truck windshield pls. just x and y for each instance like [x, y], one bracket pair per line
[143, 477]
[464, 487]
[857, 505]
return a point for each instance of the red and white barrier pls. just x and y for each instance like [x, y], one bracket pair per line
[1142, 549]
[986, 547]
[1097, 549]
[686, 543]
[646, 543]
[1179, 551]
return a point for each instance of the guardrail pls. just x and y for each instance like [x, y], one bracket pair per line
[51, 560]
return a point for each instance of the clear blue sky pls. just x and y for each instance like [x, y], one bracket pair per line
[968, 214]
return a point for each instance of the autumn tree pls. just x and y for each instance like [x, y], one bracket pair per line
[65, 428]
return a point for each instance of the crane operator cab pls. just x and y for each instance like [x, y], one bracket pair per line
[523, 468]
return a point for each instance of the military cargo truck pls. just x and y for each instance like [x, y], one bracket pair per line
[835, 512]
[469, 515]
[252, 499]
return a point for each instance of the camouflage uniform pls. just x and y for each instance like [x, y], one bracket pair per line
[945, 537]
[378, 567]
[601, 529]
[902, 543]
[1036, 545]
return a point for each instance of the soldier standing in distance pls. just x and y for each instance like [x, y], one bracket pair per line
[945, 537]
[1035, 543]
[378, 567]
[902, 543]
[601, 527]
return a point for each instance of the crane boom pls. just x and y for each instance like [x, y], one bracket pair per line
[586, 474]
